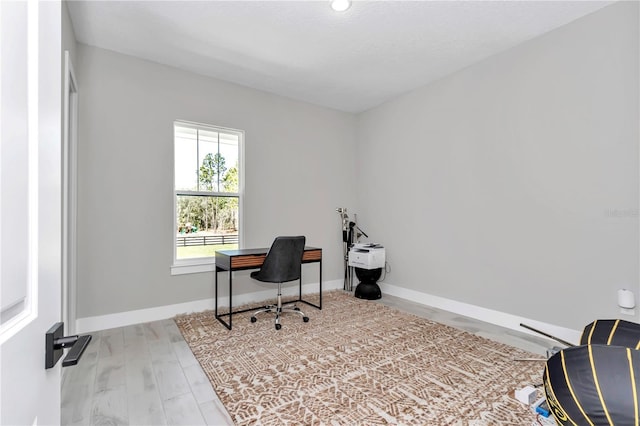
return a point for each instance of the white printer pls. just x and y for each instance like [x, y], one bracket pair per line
[367, 256]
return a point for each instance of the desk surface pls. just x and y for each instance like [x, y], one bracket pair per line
[254, 257]
[250, 251]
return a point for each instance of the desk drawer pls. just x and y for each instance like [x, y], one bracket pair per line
[312, 255]
[251, 261]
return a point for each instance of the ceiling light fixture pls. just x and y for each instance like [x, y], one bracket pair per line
[340, 5]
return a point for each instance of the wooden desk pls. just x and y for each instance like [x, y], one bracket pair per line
[238, 260]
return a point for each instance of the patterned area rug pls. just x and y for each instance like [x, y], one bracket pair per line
[358, 362]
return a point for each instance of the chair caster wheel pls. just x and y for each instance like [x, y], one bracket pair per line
[254, 319]
[278, 326]
[305, 319]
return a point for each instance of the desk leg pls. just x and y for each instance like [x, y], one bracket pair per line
[319, 306]
[300, 289]
[215, 297]
[320, 274]
[219, 317]
[230, 294]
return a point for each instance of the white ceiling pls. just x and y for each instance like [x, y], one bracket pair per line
[350, 61]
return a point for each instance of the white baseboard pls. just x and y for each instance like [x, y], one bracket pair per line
[121, 319]
[483, 314]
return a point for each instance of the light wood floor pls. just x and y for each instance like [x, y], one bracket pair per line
[145, 374]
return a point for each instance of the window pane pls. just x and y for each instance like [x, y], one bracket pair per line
[186, 164]
[205, 224]
[229, 151]
[210, 162]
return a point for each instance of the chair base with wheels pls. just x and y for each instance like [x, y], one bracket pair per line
[279, 309]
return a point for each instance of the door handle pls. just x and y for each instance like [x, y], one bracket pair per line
[56, 342]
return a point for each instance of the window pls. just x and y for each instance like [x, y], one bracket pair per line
[207, 193]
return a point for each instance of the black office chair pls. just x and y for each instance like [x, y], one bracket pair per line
[282, 264]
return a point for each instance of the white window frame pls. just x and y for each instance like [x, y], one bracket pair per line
[206, 264]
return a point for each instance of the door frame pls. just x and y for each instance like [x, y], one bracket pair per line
[69, 196]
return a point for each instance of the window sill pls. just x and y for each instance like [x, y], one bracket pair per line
[193, 268]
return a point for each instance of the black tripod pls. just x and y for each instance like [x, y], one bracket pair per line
[350, 235]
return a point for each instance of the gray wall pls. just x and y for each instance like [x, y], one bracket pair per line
[68, 37]
[513, 184]
[299, 168]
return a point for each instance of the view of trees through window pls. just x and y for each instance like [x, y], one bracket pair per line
[206, 190]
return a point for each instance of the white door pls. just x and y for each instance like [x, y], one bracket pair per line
[30, 208]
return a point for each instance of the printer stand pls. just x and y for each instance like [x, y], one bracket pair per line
[368, 287]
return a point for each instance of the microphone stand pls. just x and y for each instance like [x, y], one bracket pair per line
[347, 229]
[351, 234]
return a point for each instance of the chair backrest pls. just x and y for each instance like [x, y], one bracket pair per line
[284, 260]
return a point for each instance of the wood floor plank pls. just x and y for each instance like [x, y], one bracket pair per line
[184, 354]
[161, 350]
[110, 372]
[170, 379]
[215, 414]
[133, 333]
[154, 331]
[140, 377]
[146, 408]
[75, 404]
[199, 383]
[183, 410]
[110, 408]
[111, 342]
[135, 342]
[173, 331]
